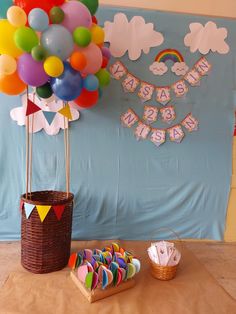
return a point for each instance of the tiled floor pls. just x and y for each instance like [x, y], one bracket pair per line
[218, 257]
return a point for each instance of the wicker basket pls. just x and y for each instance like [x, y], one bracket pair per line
[45, 247]
[165, 272]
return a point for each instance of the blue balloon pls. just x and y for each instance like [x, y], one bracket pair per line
[4, 6]
[69, 85]
[38, 20]
[91, 83]
[58, 41]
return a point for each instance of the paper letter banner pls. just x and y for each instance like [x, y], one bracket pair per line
[129, 118]
[193, 77]
[31, 108]
[163, 95]
[168, 114]
[43, 211]
[28, 209]
[150, 114]
[203, 66]
[59, 210]
[176, 133]
[66, 112]
[130, 83]
[158, 137]
[146, 91]
[190, 123]
[142, 131]
[180, 88]
[118, 70]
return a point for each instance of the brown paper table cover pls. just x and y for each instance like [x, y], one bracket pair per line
[193, 290]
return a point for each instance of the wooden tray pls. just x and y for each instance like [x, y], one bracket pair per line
[99, 294]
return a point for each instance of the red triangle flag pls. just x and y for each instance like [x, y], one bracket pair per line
[31, 108]
[59, 210]
[21, 205]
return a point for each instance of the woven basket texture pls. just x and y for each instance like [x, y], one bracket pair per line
[45, 246]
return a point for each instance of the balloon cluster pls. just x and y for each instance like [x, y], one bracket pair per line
[56, 47]
[101, 268]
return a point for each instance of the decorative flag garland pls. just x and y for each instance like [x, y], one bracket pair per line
[143, 130]
[49, 115]
[158, 136]
[42, 210]
[163, 93]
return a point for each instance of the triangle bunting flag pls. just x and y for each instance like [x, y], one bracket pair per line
[66, 112]
[21, 205]
[31, 108]
[28, 209]
[59, 210]
[43, 211]
[49, 116]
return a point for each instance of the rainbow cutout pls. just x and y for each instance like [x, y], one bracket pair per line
[169, 54]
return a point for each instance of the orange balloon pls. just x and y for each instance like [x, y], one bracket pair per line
[78, 61]
[11, 84]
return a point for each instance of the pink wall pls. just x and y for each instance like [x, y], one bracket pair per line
[226, 8]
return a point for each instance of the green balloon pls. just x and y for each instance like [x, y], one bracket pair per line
[92, 5]
[103, 77]
[56, 15]
[82, 36]
[39, 53]
[44, 91]
[25, 38]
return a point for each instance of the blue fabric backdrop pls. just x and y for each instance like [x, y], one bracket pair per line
[124, 188]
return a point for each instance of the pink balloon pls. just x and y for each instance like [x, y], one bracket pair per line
[30, 71]
[93, 55]
[76, 14]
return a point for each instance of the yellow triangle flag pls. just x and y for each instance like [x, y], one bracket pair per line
[43, 211]
[65, 111]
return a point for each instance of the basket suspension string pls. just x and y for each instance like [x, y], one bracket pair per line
[27, 149]
[68, 157]
[31, 152]
[66, 152]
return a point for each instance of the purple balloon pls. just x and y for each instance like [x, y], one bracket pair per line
[76, 14]
[106, 53]
[31, 72]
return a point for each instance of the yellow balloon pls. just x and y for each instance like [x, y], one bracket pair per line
[16, 16]
[7, 44]
[8, 65]
[98, 35]
[53, 66]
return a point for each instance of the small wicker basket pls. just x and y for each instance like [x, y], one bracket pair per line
[45, 247]
[164, 272]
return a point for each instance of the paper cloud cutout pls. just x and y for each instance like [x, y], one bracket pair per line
[40, 122]
[206, 38]
[134, 36]
[180, 68]
[158, 68]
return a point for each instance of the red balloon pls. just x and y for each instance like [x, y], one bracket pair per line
[105, 62]
[58, 2]
[94, 19]
[87, 99]
[28, 5]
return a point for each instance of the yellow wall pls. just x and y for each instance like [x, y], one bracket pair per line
[226, 8]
